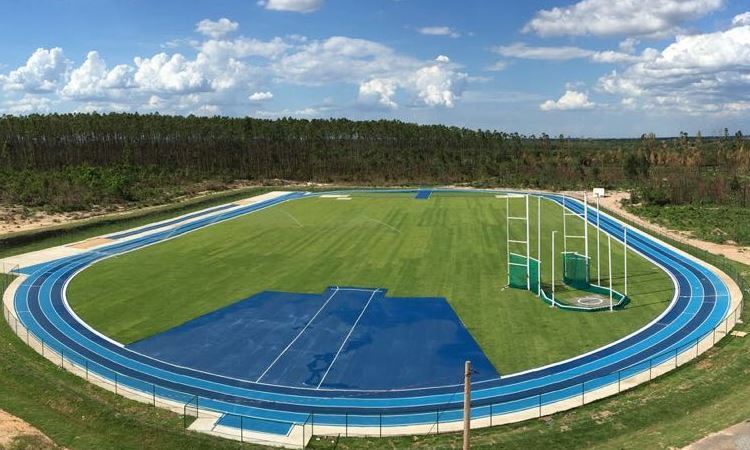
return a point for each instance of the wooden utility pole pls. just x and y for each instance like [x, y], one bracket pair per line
[467, 404]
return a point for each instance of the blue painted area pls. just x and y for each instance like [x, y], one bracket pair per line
[344, 338]
[238, 341]
[256, 424]
[423, 194]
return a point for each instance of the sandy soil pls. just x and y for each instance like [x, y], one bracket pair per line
[14, 219]
[733, 252]
[11, 427]
[736, 437]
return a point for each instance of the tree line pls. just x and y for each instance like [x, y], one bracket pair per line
[74, 161]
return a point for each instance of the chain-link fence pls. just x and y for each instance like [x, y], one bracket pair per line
[317, 421]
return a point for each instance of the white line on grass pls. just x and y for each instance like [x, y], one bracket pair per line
[298, 335]
[383, 223]
[292, 217]
[347, 337]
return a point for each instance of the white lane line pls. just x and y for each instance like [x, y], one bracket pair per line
[347, 337]
[298, 335]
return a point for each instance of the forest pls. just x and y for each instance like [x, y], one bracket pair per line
[65, 162]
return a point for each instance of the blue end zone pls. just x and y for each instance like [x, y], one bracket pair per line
[345, 338]
[423, 194]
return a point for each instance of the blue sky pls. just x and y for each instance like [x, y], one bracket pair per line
[588, 68]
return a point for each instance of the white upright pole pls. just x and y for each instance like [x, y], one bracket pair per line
[507, 233]
[625, 251]
[565, 232]
[528, 247]
[539, 245]
[553, 268]
[586, 225]
[609, 271]
[598, 238]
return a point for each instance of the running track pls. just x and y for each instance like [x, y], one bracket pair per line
[701, 302]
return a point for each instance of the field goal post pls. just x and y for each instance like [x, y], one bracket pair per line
[524, 272]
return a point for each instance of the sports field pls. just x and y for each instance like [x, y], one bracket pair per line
[450, 245]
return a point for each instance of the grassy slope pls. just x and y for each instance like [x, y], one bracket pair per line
[450, 246]
[29, 241]
[711, 223]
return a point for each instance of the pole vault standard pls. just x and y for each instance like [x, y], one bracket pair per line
[586, 224]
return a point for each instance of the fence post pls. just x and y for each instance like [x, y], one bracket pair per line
[42, 346]
[380, 425]
[491, 405]
[540, 405]
[437, 422]
[62, 357]
[346, 427]
[153, 393]
[650, 366]
[619, 381]
[242, 431]
[87, 369]
[312, 428]
[583, 393]
[115, 383]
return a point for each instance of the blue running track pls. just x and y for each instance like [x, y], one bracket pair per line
[286, 394]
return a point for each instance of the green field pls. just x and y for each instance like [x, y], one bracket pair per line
[451, 246]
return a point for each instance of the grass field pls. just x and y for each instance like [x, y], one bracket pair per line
[451, 246]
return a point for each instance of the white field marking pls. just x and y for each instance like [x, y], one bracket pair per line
[344, 198]
[298, 335]
[346, 339]
[292, 217]
[334, 196]
[383, 223]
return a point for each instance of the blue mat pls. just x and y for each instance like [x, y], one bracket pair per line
[343, 338]
[423, 194]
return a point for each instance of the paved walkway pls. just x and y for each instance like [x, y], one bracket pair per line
[733, 438]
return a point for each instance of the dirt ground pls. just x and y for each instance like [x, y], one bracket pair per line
[733, 252]
[13, 428]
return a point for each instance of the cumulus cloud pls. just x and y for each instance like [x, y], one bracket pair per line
[173, 74]
[379, 92]
[93, 80]
[300, 6]
[439, 31]
[571, 100]
[618, 18]
[257, 97]
[44, 71]
[697, 73]
[216, 29]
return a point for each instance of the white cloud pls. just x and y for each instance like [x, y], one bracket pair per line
[741, 19]
[300, 6]
[44, 71]
[438, 85]
[216, 29]
[92, 79]
[498, 66]
[698, 73]
[260, 97]
[439, 31]
[244, 48]
[378, 92]
[571, 100]
[618, 18]
[170, 74]
[28, 104]
[563, 53]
